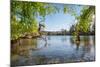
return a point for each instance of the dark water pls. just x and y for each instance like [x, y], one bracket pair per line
[57, 49]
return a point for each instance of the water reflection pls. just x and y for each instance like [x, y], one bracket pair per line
[85, 47]
[57, 49]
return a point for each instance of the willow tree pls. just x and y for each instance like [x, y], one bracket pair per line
[24, 14]
[84, 21]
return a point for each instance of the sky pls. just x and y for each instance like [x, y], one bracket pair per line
[59, 21]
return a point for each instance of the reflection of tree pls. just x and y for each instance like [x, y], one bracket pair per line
[86, 47]
[84, 52]
[73, 42]
[44, 38]
[87, 43]
[24, 48]
[77, 45]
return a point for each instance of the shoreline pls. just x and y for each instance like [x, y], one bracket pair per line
[31, 37]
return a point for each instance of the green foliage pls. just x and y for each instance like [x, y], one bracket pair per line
[85, 19]
[23, 16]
[70, 9]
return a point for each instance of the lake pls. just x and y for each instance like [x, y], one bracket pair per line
[55, 49]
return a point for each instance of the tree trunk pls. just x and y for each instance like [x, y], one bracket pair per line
[77, 37]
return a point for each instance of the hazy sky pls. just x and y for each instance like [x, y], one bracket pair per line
[59, 21]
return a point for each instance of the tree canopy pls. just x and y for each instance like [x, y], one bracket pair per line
[85, 19]
[23, 16]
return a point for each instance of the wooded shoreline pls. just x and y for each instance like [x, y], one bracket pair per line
[30, 36]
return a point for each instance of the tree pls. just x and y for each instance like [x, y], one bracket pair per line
[84, 21]
[23, 16]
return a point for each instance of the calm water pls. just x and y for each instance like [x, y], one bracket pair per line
[57, 49]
